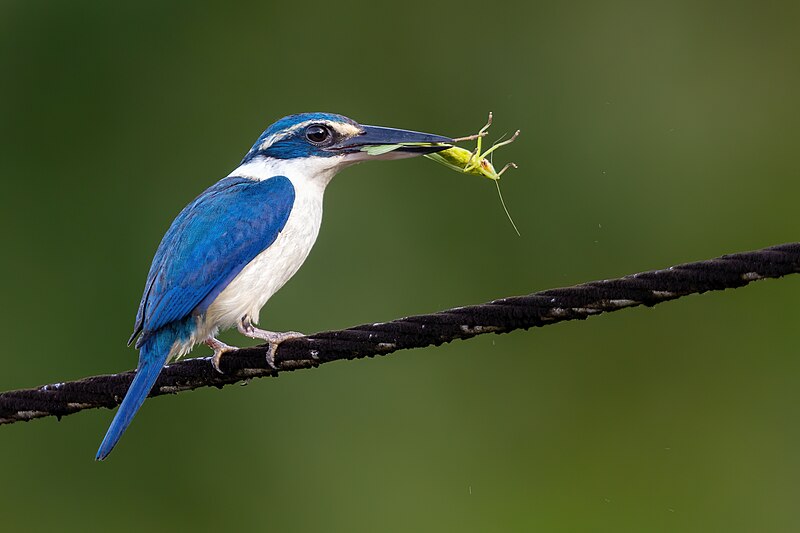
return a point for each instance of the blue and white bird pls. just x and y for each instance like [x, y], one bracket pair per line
[242, 239]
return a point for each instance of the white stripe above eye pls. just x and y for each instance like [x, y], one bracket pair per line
[347, 130]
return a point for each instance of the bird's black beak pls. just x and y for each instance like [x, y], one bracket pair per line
[376, 141]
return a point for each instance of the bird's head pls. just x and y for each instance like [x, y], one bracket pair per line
[335, 141]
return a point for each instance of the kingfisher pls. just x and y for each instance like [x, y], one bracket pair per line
[243, 238]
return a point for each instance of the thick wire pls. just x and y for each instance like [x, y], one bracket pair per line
[499, 316]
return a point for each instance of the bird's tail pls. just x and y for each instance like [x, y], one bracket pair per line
[153, 355]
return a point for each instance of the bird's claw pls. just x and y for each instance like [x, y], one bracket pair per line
[273, 338]
[275, 341]
[219, 348]
[273, 348]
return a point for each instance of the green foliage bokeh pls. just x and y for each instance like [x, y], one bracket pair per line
[652, 134]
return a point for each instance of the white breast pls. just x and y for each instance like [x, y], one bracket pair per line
[272, 268]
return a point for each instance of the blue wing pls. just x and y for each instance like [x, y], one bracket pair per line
[208, 244]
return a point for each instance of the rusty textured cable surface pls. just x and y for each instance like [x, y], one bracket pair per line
[499, 316]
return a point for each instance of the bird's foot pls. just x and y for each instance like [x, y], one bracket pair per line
[273, 338]
[219, 348]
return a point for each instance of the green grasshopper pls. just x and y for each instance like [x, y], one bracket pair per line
[475, 162]
[462, 160]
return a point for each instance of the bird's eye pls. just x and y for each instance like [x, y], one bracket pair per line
[317, 134]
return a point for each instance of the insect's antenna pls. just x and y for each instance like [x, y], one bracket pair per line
[503, 202]
[491, 156]
[503, 136]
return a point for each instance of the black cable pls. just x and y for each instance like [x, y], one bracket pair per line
[499, 316]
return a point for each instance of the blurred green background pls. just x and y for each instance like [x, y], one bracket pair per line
[652, 134]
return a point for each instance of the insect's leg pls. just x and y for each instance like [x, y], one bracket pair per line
[482, 133]
[484, 130]
[476, 157]
[498, 145]
[508, 165]
[470, 137]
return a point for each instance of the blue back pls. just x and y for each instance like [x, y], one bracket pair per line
[208, 244]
